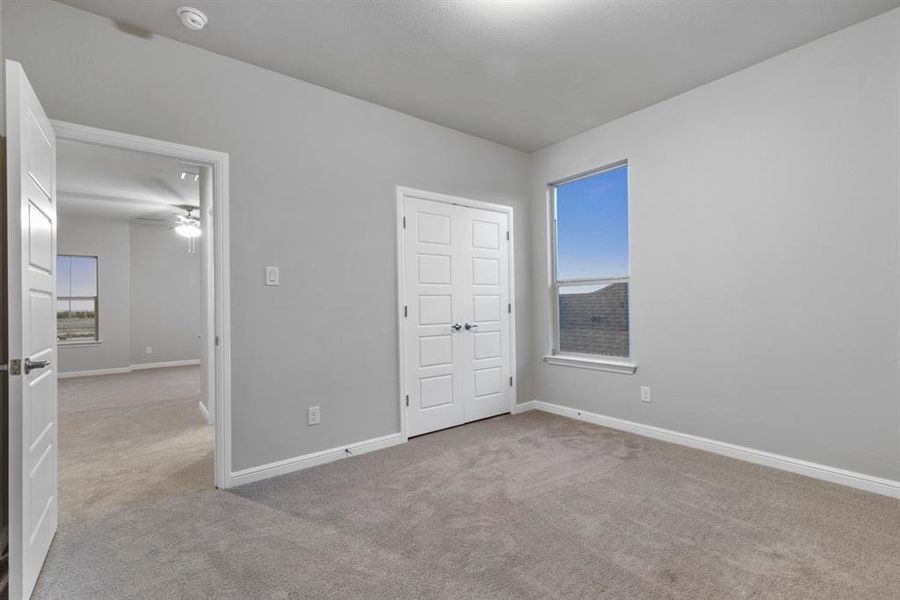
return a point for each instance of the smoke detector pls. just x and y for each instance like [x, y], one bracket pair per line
[192, 18]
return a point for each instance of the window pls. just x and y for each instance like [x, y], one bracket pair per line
[591, 272]
[76, 299]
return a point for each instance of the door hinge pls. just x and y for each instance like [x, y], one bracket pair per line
[510, 381]
[407, 400]
[14, 367]
[509, 308]
[217, 340]
[405, 310]
[507, 235]
[404, 222]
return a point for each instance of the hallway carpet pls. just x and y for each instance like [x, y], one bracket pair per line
[130, 439]
[530, 506]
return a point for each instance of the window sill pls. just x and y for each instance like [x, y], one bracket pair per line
[79, 343]
[596, 364]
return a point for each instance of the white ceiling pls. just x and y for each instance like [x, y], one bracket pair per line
[522, 73]
[120, 184]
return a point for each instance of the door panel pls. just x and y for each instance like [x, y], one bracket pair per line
[435, 268]
[485, 271]
[435, 350]
[485, 235]
[486, 308]
[433, 228]
[456, 270]
[487, 345]
[436, 391]
[435, 309]
[31, 236]
[40, 228]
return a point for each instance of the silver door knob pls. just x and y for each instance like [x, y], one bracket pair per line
[456, 327]
[471, 326]
[37, 364]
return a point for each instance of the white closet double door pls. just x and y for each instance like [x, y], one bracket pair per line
[457, 314]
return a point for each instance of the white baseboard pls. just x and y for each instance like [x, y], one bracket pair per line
[524, 406]
[168, 363]
[91, 373]
[878, 485]
[290, 465]
[204, 411]
[129, 369]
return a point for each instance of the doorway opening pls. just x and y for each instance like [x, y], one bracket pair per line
[142, 321]
[132, 423]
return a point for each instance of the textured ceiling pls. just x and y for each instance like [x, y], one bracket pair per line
[522, 73]
[113, 183]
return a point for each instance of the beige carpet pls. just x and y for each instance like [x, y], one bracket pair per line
[131, 439]
[531, 506]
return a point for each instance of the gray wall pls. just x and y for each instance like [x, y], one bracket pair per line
[765, 263]
[313, 176]
[149, 289]
[766, 291]
[165, 296]
[108, 241]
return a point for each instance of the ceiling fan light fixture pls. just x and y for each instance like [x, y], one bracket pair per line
[188, 226]
[188, 229]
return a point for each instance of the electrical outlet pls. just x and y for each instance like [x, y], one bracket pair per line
[645, 393]
[148, 350]
[312, 415]
[272, 276]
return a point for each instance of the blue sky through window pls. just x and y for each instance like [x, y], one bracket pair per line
[76, 276]
[592, 226]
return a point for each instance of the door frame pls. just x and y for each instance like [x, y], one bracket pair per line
[218, 289]
[403, 192]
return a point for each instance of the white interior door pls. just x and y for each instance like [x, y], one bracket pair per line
[485, 303]
[456, 322]
[433, 316]
[31, 237]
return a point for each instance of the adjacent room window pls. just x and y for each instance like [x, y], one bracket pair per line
[591, 274]
[76, 299]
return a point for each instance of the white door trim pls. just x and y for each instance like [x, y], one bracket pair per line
[403, 192]
[218, 291]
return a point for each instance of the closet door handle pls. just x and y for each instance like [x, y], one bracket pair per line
[457, 326]
[471, 326]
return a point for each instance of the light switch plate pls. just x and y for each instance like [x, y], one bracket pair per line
[272, 277]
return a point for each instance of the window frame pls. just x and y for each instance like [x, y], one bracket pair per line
[603, 362]
[96, 299]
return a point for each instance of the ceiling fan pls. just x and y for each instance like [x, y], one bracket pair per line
[185, 225]
[188, 225]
